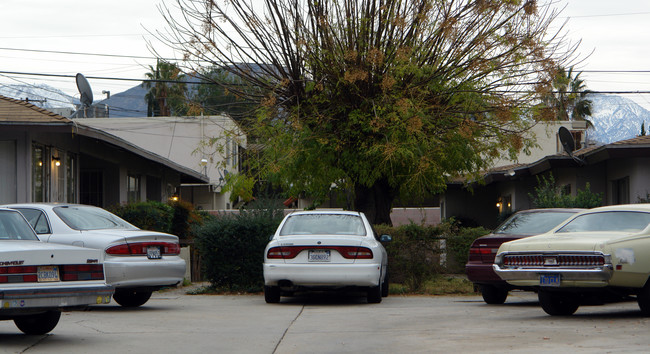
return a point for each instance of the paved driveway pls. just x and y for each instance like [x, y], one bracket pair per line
[177, 323]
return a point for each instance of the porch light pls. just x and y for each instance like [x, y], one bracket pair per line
[56, 161]
[498, 204]
[174, 198]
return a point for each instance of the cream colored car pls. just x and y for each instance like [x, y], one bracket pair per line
[598, 256]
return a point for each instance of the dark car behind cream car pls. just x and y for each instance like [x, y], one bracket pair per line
[39, 280]
[598, 256]
[137, 262]
[524, 223]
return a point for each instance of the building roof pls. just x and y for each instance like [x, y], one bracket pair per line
[634, 147]
[16, 112]
[21, 112]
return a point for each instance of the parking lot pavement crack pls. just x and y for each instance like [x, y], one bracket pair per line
[302, 308]
[39, 341]
[82, 323]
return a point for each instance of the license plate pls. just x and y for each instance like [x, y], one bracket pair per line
[48, 273]
[319, 255]
[154, 253]
[549, 280]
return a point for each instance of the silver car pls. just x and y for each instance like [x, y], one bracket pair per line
[137, 262]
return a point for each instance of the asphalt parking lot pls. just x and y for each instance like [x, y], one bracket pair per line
[173, 322]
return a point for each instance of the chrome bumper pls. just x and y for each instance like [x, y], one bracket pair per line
[601, 273]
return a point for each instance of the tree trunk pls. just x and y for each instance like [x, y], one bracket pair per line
[375, 201]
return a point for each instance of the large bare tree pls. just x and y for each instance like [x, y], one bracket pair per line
[379, 98]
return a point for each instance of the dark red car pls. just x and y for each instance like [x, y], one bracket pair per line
[483, 250]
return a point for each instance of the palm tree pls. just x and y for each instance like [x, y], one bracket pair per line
[164, 98]
[569, 97]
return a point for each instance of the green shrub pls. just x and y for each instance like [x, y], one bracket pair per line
[232, 246]
[548, 195]
[150, 215]
[414, 253]
[458, 242]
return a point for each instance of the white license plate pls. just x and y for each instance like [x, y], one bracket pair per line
[154, 253]
[48, 273]
[549, 280]
[319, 255]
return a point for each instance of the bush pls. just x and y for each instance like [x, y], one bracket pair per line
[548, 195]
[232, 246]
[414, 255]
[150, 215]
[458, 242]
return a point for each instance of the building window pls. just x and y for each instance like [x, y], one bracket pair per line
[91, 184]
[133, 188]
[71, 178]
[621, 191]
[38, 174]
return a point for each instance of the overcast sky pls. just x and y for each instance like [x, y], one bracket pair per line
[617, 32]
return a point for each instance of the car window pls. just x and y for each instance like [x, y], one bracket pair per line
[629, 221]
[82, 217]
[323, 224]
[36, 219]
[532, 223]
[14, 227]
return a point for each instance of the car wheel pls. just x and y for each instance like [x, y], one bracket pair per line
[38, 324]
[271, 294]
[374, 293]
[556, 304]
[643, 299]
[384, 285]
[131, 298]
[493, 295]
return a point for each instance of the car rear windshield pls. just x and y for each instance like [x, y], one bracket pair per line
[323, 224]
[626, 221]
[90, 218]
[14, 227]
[532, 223]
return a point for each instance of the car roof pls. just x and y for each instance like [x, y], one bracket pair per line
[543, 210]
[645, 207]
[327, 211]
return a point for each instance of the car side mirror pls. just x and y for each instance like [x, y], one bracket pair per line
[385, 238]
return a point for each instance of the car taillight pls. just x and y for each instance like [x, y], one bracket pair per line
[18, 274]
[348, 252]
[76, 272]
[140, 248]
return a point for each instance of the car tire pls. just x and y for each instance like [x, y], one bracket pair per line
[384, 285]
[558, 304]
[39, 323]
[131, 298]
[493, 295]
[643, 299]
[271, 294]
[374, 293]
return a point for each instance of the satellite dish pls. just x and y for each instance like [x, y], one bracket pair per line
[566, 139]
[84, 89]
[569, 145]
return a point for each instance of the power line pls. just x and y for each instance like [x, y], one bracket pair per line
[79, 53]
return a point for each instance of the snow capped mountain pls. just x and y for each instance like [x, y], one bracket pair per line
[40, 95]
[615, 118]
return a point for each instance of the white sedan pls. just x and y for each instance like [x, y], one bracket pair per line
[39, 280]
[137, 262]
[325, 250]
